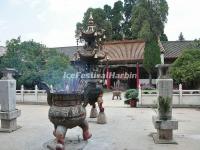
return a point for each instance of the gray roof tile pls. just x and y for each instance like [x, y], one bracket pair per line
[173, 49]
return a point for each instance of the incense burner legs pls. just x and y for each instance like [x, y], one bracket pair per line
[65, 118]
[60, 133]
[85, 128]
[93, 112]
[101, 119]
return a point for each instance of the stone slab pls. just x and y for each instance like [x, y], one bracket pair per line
[8, 95]
[162, 141]
[10, 115]
[74, 144]
[165, 124]
[9, 130]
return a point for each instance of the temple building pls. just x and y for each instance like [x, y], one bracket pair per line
[123, 56]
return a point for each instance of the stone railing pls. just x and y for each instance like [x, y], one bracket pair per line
[181, 98]
[31, 96]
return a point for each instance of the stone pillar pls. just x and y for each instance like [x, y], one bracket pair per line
[164, 122]
[8, 112]
[180, 94]
[22, 93]
[165, 89]
[36, 93]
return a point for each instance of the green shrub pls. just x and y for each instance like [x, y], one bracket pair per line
[131, 94]
[164, 104]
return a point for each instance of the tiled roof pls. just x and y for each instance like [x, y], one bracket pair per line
[173, 49]
[129, 50]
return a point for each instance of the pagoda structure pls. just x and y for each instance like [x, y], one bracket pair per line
[87, 61]
[92, 52]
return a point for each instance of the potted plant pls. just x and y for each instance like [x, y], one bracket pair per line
[164, 107]
[131, 96]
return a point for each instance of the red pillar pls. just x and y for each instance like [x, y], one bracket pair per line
[108, 77]
[137, 75]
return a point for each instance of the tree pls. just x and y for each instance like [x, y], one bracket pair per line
[109, 19]
[107, 9]
[152, 58]
[186, 69]
[128, 6]
[100, 19]
[163, 37]
[116, 20]
[181, 37]
[54, 69]
[148, 19]
[32, 60]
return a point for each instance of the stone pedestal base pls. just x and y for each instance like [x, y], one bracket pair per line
[9, 130]
[165, 129]
[157, 140]
[101, 119]
[9, 121]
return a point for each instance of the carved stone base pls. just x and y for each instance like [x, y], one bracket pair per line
[101, 119]
[9, 120]
[157, 140]
[165, 129]
[9, 130]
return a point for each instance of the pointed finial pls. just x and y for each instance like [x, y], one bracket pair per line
[91, 25]
[91, 17]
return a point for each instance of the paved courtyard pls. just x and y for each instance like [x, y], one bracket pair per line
[127, 129]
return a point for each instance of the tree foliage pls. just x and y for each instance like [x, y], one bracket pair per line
[163, 37]
[130, 19]
[186, 69]
[152, 57]
[100, 19]
[116, 20]
[34, 62]
[108, 18]
[148, 19]
[181, 37]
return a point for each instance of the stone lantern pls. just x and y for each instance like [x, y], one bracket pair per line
[8, 113]
[164, 122]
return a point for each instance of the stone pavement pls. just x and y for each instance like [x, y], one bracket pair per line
[127, 129]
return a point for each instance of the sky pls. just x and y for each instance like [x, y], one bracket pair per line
[53, 22]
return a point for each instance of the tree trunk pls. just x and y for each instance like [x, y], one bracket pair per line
[150, 79]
